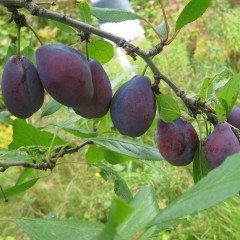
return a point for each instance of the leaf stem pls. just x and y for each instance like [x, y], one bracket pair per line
[19, 41]
[35, 33]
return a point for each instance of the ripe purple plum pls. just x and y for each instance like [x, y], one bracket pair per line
[220, 144]
[177, 141]
[102, 96]
[133, 107]
[23, 93]
[65, 74]
[234, 117]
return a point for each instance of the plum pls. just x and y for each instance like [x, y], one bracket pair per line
[133, 107]
[102, 96]
[220, 144]
[65, 74]
[177, 141]
[234, 117]
[23, 93]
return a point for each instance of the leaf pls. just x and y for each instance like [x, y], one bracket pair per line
[82, 133]
[29, 53]
[161, 29]
[12, 50]
[85, 11]
[41, 229]
[94, 154]
[26, 135]
[220, 184]
[26, 173]
[145, 209]
[227, 97]
[113, 14]
[69, 122]
[206, 90]
[200, 165]
[101, 50]
[62, 27]
[18, 188]
[129, 148]
[119, 211]
[120, 187]
[12, 156]
[51, 107]
[192, 11]
[168, 108]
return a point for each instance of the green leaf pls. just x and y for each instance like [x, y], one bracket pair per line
[26, 135]
[129, 148]
[206, 90]
[101, 50]
[12, 50]
[200, 165]
[26, 173]
[18, 188]
[113, 14]
[62, 27]
[94, 154]
[168, 108]
[220, 184]
[119, 211]
[51, 107]
[69, 122]
[192, 11]
[14, 156]
[29, 53]
[41, 229]
[227, 97]
[145, 209]
[82, 133]
[120, 187]
[161, 29]
[85, 11]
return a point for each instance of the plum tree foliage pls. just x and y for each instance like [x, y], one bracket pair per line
[82, 84]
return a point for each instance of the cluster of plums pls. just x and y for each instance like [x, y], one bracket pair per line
[84, 86]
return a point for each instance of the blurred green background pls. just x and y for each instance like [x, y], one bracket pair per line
[75, 190]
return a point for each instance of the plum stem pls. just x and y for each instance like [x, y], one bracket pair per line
[35, 34]
[19, 41]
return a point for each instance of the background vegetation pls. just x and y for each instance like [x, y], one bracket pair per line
[75, 190]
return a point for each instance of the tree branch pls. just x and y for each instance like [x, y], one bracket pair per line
[46, 163]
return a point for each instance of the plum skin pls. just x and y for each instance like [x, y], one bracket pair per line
[133, 107]
[65, 74]
[23, 93]
[177, 141]
[234, 117]
[220, 144]
[102, 96]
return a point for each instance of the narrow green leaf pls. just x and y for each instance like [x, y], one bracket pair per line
[82, 133]
[85, 11]
[113, 14]
[161, 29]
[14, 155]
[206, 90]
[50, 108]
[9, 192]
[26, 173]
[168, 108]
[62, 27]
[29, 53]
[192, 11]
[129, 148]
[26, 135]
[219, 185]
[41, 229]
[12, 50]
[119, 211]
[120, 187]
[69, 122]
[101, 50]
[200, 165]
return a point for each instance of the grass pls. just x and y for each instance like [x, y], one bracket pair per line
[75, 190]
